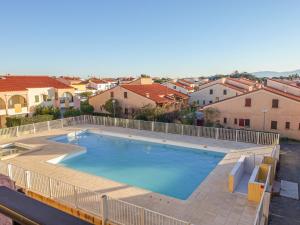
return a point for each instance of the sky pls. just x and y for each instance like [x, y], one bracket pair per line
[156, 37]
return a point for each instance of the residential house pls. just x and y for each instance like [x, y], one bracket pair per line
[101, 84]
[221, 89]
[77, 83]
[180, 87]
[19, 95]
[132, 97]
[274, 107]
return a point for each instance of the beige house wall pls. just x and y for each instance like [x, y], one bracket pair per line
[288, 111]
[133, 100]
[204, 94]
[143, 80]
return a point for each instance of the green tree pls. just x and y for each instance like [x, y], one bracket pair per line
[86, 108]
[210, 116]
[113, 107]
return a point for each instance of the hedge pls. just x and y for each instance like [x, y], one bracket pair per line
[17, 121]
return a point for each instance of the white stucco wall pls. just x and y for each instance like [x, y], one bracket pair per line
[204, 94]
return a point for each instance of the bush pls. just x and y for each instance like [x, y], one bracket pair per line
[149, 113]
[17, 121]
[71, 112]
[47, 110]
[86, 108]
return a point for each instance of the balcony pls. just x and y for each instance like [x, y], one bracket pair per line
[17, 111]
[2, 112]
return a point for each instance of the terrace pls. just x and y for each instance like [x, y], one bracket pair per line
[210, 203]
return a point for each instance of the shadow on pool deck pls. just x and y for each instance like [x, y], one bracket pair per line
[286, 211]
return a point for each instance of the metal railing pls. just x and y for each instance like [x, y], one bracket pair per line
[109, 209]
[248, 136]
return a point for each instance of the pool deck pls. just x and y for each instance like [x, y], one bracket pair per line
[210, 203]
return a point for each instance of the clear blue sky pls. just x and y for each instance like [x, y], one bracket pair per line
[157, 37]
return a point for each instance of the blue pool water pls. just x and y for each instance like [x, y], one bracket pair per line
[166, 169]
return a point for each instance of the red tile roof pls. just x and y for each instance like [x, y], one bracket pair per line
[185, 81]
[282, 93]
[242, 80]
[287, 82]
[21, 83]
[155, 92]
[98, 81]
[189, 88]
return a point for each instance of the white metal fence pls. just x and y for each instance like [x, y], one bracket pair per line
[249, 136]
[110, 209]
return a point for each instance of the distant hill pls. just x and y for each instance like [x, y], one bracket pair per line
[274, 73]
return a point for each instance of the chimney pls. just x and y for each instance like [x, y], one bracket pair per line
[147, 95]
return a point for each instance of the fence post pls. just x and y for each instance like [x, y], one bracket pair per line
[217, 133]
[62, 123]
[17, 133]
[181, 129]
[257, 137]
[167, 127]
[236, 135]
[48, 124]
[143, 216]
[104, 209]
[152, 126]
[139, 124]
[27, 179]
[75, 197]
[50, 188]
[9, 171]
[115, 122]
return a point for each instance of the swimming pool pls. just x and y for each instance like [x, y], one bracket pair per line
[165, 169]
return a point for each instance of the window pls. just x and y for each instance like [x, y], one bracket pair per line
[241, 122]
[125, 94]
[275, 103]
[56, 96]
[126, 111]
[211, 91]
[203, 102]
[274, 125]
[224, 92]
[225, 120]
[210, 101]
[235, 120]
[247, 123]
[287, 125]
[112, 94]
[198, 102]
[132, 111]
[217, 99]
[248, 102]
[37, 98]
[299, 127]
[174, 87]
